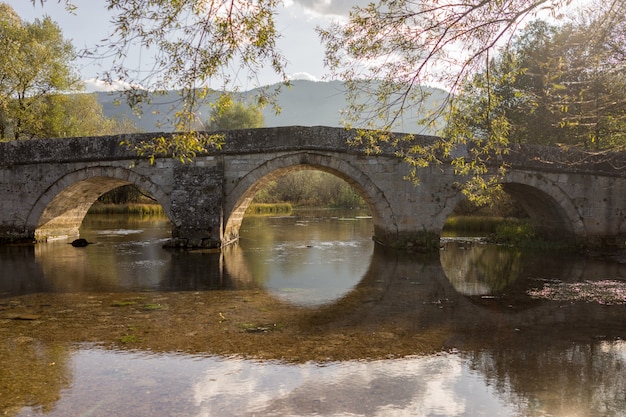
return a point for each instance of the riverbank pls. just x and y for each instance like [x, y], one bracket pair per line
[140, 209]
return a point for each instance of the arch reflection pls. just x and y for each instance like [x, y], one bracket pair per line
[306, 260]
[478, 269]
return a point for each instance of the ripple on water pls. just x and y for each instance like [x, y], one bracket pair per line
[119, 232]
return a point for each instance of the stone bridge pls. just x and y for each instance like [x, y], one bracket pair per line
[47, 186]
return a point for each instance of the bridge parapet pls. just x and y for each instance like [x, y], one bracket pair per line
[560, 159]
[85, 149]
[242, 141]
[298, 138]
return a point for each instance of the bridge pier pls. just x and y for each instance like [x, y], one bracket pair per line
[186, 238]
[420, 241]
[196, 204]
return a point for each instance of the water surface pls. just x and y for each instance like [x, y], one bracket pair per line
[306, 316]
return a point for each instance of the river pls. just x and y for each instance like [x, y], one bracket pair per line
[306, 316]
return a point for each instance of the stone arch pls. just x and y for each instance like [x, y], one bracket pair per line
[60, 210]
[548, 206]
[242, 194]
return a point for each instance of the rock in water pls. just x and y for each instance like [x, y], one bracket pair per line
[80, 243]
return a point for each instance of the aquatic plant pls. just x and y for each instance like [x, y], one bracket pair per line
[259, 327]
[124, 303]
[607, 292]
[129, 338]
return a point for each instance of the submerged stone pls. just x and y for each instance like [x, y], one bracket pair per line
[80, 243]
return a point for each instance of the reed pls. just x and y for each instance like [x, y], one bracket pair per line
[130, 208]
[264, 209]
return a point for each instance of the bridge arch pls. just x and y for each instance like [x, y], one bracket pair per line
[548, 206]
[246, 188]
[60, 210]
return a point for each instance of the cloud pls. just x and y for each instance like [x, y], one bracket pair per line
[93, 85]
[421, 386]
[303, 76]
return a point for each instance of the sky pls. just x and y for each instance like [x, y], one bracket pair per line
[296, 21]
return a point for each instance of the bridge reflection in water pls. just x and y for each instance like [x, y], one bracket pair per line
[534, 355]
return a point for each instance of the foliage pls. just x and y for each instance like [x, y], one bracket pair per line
[36, 74]
[406, 44]
[73, 115]
[515, 232]
[403, 45]
[195, 46]
[126, 194]
[147, 210]
[184, 146]
[480, 225]
[310, 188]
[521, 233]
[388, 50]
[34, 64]
[228, 114]
[588, 80]
[553, 85]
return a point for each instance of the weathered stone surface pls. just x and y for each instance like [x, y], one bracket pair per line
[47, 186]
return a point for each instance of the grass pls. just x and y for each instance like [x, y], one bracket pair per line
[522, 234]
[474, 225]
[515, 232]
[505, 231]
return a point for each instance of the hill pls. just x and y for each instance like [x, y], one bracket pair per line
[306, 103]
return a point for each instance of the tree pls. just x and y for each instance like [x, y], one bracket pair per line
[195, 44]
[589, 82]
[310, 188]
[35, 62]
[80, 114]
[406, 44]
[35, 77]
[401, 44]
[553, 85]
[228, 114]
[10, 23]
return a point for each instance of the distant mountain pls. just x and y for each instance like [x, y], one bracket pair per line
[305, 103]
